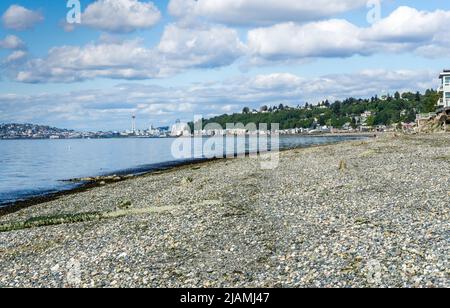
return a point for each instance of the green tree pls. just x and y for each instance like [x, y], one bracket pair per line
[370, 121]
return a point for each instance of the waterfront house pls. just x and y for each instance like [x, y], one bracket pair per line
[444, 89]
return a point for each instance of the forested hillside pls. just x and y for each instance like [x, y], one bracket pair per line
[387, 110]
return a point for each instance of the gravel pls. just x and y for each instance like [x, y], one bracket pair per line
[357, 214]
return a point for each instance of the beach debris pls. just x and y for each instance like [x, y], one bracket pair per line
[342, 165]
[437, 123]
[99, 179]
[125, 205]
[187, 180]
[67, 219]
[43, 221]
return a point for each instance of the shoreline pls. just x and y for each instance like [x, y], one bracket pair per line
[318, 134]
[12, 207]
[97, 181]
[341, 215]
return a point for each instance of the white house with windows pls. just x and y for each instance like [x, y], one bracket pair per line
[444, 101]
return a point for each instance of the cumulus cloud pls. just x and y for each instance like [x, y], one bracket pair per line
[408, 28]
[12, 42]
[120, 15]
[291, 89]
[19, 18]
[409, 25]
[405, 30]
[70, 63]
[331, 38]
[199, 47]
[112, 108]
[188, 45]
[16, 56]
[257, 12]
[179, 49]
[276, 80]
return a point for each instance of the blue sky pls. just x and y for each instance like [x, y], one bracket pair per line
[164, 60]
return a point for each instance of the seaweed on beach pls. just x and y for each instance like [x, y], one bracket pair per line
[43, 221]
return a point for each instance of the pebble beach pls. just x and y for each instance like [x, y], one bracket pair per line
[371, 213]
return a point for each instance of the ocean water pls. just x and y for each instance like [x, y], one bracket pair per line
[35, 167]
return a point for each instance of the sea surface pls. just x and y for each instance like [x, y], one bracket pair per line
[30, 168]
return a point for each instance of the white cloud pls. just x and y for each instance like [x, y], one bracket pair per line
[16, 56]
[331, 38]
[257, 12]
[12, 42]
[367, 83]
[199, 47]
[410, 29]
[180, 49]
[276, 81]
[409, 25]
[405, 30]
[113, 60]
[19, 18]
[120, 15]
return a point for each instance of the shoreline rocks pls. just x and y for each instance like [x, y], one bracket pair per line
[99, 179]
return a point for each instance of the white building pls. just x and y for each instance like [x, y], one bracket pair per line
[152, 131]
[180, 129]
[444, 101]
[363, 118]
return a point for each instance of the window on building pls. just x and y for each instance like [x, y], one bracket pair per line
[447, 81]
[447, 95]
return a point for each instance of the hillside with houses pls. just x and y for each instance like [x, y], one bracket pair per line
[386, 112]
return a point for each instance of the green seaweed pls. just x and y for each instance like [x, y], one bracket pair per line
[43, 221]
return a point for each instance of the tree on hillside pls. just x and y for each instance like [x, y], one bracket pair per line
[353, 123]
[430, 101]
[370, 121]
[336, 107]
[418, 96]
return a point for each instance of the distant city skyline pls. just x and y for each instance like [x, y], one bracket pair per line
[164, 60]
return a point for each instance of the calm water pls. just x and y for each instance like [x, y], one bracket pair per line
[34, 167]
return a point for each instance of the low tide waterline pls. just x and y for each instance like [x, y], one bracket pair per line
[32, 168]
